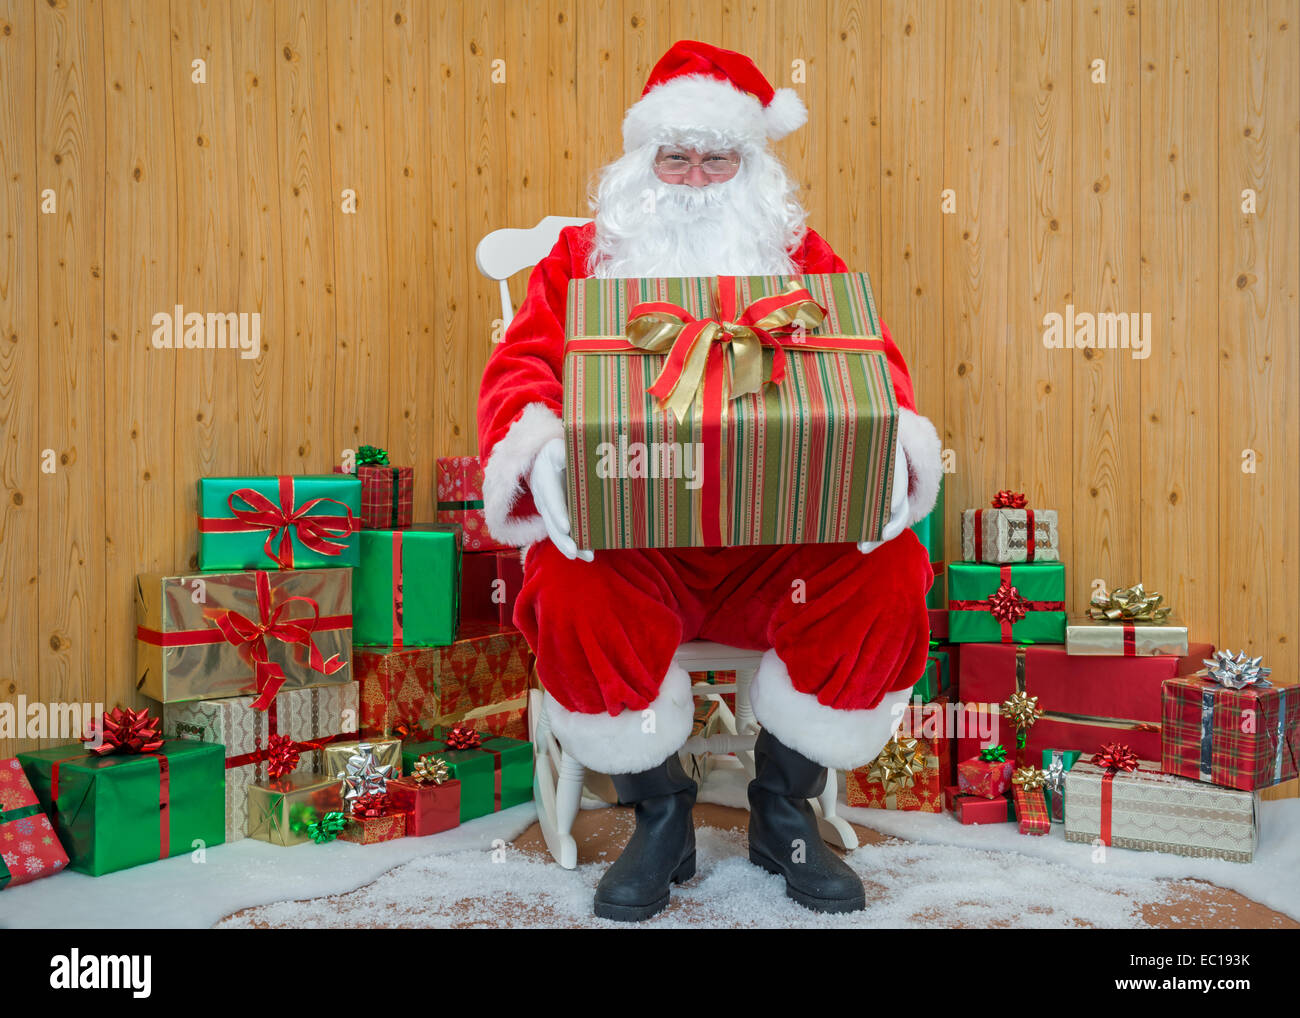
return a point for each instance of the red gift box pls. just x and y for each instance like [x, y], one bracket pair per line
[387, 496]
[489, 584]
[927, 724]
[372, 830]
[429, 808]
[938, 623]
[460, 500]
[29, 848]
[1239, 738]
[482, 677]
[973, 809]
[985, 778]
[1086, 700]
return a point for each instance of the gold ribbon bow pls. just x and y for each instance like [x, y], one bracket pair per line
[1128, 604]
[430, 770]
[898, 764]
[682, 377]
[1031, 779]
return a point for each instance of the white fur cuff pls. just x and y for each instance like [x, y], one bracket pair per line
[632, 741]
[842, 739]
[921, 446]
[507, 468]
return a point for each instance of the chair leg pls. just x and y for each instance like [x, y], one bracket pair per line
[834, 829]
[554, 792]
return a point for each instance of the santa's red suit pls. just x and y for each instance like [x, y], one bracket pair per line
[845, 634]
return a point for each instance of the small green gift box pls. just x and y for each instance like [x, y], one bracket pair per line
[1055, 763]
[494, 776]
[930, 532]
[288, 522]
[120, 810]
[406, 592]
[1020, 603]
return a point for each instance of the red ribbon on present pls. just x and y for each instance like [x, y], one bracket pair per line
[398, 583]
[284, 521]
[1115, 757]
[1006, 604]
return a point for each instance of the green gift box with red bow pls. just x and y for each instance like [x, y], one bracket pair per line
[1022, 603]
[495, 772]
[147, 799]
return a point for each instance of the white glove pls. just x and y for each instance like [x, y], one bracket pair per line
[547, 483]
[898, 507]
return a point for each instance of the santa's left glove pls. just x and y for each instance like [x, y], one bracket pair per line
[547, 484]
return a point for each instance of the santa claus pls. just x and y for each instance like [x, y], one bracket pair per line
[698, 192]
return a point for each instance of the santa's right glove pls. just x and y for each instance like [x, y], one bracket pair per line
[546, 481]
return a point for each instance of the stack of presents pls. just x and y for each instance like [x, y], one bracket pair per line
[330, 671]
[1112, 724]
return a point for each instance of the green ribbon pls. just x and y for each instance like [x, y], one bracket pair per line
[327, 828]
[995, 754]
[18, 812]
[372, 455]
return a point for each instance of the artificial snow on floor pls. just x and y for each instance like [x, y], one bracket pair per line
[944, 874]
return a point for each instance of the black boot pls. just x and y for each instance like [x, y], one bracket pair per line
[661, 849]
[783, 836]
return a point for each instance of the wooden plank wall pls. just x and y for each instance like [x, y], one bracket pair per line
[224, 187]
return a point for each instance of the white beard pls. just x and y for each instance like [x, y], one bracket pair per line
[744, 226]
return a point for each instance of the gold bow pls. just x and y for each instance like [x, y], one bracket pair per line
[1128, 604]
[658, 332]
[1031, 779]
[430, 770]
[898, 764]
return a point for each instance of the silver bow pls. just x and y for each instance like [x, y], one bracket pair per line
[364, 774]
[1235, 672]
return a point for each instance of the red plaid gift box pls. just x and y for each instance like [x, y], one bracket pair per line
[1031, 811]
[460, 500]
[29, 848]
[1238, 738]
[387, 496]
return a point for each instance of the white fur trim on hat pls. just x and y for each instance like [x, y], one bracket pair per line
[507, 468]
[700, 103]
[921, 446]
[842, 739]
[620, 743]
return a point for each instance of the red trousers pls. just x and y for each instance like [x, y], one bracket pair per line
[848, 627]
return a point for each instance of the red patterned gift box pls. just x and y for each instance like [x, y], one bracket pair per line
[482, 677]
[1246, 738]
[974, 809]
[372, 830]
[387, 496]
[913, 768]
[460, 500]
[29, 848]
[987, 778]
[1085, 700]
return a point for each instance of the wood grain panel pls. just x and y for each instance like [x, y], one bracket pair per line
[306, 420]
[1104, 538]
[140, 276]
[975, 246]
[1039, 394]
[1259, 319]
[852, 129]
[20, 476]
[70, 152]
[356, 160]
[1180, 243]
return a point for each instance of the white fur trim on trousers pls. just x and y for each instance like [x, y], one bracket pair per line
[842, 739]
[924, 454]
[621, 744]
[509, 466]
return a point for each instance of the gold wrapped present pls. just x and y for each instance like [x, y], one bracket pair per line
[282, 810]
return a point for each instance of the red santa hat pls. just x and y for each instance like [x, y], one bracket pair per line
[702, 87]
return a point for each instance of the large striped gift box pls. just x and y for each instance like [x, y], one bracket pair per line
[722, 411]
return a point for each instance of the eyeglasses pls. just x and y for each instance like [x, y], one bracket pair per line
[674, 164]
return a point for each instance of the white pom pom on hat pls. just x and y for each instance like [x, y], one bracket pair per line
[696, 87]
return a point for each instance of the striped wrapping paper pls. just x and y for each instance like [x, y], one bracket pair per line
[809, 460]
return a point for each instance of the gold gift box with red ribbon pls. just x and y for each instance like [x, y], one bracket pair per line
[203, 636]
[725, 411]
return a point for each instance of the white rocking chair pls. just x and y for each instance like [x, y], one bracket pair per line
[558, 778]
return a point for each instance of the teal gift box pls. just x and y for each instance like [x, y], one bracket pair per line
[123, 809]
[930, 532]
[494, 776]
[1057, 762]
[406, 591]
[303, 521]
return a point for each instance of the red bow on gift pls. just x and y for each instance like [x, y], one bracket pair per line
[124, 731]
[1116, 756]
[1007, 604]
[242, 631]
[372, 804]
[285, 520]
[463, 737]
[282, 756]
[1008, 499]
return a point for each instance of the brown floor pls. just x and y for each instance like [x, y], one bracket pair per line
[602, 834]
